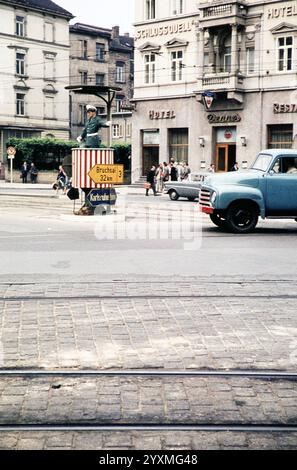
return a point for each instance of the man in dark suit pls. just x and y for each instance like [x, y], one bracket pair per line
[151, 180]
[24, 172]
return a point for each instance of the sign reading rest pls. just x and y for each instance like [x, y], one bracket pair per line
[107, 174]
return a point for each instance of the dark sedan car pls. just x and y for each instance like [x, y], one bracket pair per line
[188, 189]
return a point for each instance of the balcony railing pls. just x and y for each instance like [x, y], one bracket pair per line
[218, 10]
[221, 81]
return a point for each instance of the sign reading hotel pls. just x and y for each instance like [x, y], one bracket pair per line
[107, 174]
[285, 11]
[162, 115]
[157, 31]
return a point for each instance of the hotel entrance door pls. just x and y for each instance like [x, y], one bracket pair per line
[225, 157]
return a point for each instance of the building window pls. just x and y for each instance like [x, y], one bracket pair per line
[285, 54]
[20, 26]
[150, 9]
[250, 60]
[20, 104]
[100, 79]
[20, 63]
[177, 7]
[117, 131]
[280, 136]
[177, 65]
[83, 52]
[83, 78]
[82, 115]
[49, 32]
[100, 50]
[227, 59]
[49, 107]
[101, 110]
[119, 102]
[129, 129]
[49, 67]
[179, 144]
[120, 72]
[150, 68]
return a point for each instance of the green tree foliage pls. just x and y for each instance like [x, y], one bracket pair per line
[47, 154]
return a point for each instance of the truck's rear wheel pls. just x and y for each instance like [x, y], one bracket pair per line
[218, 220]
[242, 217]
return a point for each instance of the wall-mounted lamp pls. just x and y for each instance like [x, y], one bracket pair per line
[244, 165]
[243, 141]
[202, 141]
[203, 164]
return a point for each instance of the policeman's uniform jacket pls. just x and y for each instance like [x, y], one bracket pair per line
[90, 132]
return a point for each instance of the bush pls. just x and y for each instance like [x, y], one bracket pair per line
[47, 154]
[122, 155]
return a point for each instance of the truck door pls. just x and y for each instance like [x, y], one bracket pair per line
[281, 196]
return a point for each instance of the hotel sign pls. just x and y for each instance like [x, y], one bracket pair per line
[162, 114]
[284, 108]
[285, 11]
[158, 31]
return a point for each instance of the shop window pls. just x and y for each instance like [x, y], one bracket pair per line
[285, 54]
[179, 144]
[280, 136]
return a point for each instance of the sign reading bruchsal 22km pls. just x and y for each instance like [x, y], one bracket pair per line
[112, 174]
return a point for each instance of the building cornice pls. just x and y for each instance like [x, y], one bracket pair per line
[167, 19]
[27, 39]
[64, 14]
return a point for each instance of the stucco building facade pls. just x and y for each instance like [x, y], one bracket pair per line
[101, 56]
[34, 70]
[215, 82]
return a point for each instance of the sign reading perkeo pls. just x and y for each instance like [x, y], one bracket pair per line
[107, 174]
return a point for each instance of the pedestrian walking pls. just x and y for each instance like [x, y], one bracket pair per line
[212, 168]
[186, 171]
[33, 173]
[159, 179]
[173, 172]
[62, 180]
[235, 167]
[166, 172]
[151, 183]
[24, 172]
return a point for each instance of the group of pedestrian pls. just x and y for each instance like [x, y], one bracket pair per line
[29, 170]
[212, 167]
[172, 171]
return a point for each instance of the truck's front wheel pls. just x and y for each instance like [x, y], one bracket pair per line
[242, 217]
[217, 220]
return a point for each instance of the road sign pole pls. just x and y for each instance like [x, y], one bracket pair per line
[11, 169]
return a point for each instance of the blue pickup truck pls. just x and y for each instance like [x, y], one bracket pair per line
[236, 200]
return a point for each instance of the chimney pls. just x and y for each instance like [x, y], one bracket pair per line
[115, 33]
[127, 35]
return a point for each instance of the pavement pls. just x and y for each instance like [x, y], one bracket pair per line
[73, 299]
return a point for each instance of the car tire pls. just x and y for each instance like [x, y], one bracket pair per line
[174, 196]
[242, 217]
[218, 220]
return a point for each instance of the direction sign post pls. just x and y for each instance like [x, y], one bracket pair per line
[107, 174]
[11, 151]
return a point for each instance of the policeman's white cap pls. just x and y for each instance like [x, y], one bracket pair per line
[91, 108]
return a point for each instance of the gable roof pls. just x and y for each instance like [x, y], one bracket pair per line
[40, 5]
[284, 28]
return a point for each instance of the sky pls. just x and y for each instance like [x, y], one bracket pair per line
[104, 13]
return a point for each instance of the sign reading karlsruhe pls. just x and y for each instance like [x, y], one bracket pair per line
[107, 174]
[98, 197]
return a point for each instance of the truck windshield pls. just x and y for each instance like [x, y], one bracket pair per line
[262, 162]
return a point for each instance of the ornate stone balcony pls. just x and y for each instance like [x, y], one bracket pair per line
[232, 84]
[220, 12]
